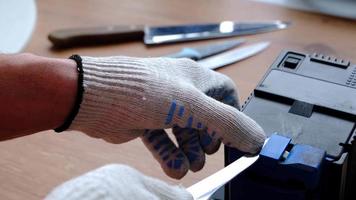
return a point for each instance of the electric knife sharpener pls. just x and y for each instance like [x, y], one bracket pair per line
[307, 106]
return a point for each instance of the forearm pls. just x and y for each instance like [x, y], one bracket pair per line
[36, 93]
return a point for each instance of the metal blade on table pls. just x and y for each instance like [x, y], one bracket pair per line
[200, 52]
[233, 56]
[180, 33]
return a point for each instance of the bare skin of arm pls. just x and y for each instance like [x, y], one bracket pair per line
[36, 93]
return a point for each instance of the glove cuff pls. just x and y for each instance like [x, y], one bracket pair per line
[79, 97]
[112, 87]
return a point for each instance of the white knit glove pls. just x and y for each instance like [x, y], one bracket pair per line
[116, 182]
[126, 97]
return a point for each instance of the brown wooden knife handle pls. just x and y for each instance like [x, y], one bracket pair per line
[95, 35]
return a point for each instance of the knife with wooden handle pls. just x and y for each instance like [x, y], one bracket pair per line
[95, 35]
[160, 34]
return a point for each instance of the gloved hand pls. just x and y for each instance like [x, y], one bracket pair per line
[117, 182]
[126, 97]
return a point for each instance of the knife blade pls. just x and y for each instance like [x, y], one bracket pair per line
[201, 52]
[209, 185]
[170, 34]
[232, 56]
[159, 34]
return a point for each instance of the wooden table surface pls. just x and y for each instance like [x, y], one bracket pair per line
[31, 166]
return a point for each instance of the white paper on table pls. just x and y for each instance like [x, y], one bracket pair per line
[341, 8]
[17, 20]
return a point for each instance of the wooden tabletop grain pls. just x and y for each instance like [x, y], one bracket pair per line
[31, 166]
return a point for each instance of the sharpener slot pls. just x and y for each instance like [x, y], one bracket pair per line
[291, 61]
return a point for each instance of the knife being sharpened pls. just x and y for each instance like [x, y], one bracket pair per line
[208, 186]
[159, 34]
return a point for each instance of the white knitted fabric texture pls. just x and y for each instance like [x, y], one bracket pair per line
[125, 96]
[117, 182]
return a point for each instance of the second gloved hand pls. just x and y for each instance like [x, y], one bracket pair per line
[118, 182]
[127, 97]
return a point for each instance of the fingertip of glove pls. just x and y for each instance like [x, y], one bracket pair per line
[197, 166]
[254, 144]
[175, 171]
[258, 146]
